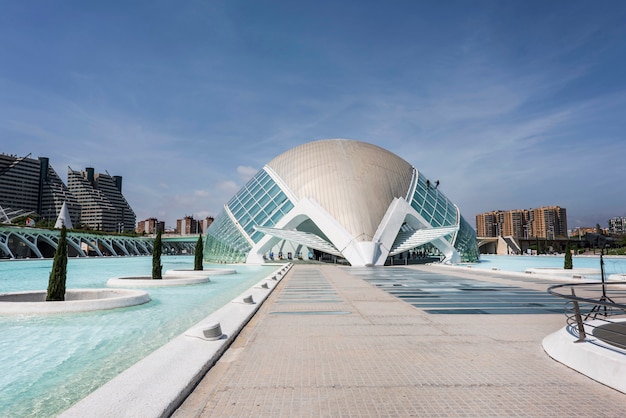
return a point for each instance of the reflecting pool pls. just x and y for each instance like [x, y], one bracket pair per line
[49, 362]
[516, 263]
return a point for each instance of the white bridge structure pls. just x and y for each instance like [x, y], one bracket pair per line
[24, 242]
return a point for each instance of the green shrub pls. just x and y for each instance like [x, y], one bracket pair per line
[568, 264]
[58, 275]
[156, 258]
[197, 261]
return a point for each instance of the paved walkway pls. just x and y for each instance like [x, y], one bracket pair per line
[328, 343]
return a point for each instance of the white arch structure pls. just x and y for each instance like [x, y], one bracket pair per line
[79, 241]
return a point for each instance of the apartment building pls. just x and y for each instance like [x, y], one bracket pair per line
[617, 225]
[150, 226]
[544, 222]
[189, 226]
[103, 206]
[548, 222]
[31, 186]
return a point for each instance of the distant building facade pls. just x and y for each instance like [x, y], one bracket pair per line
[205, 224]
[582, 231]
[32, 186]
[103, 206]
[544, 222]
[150, 226]
[617, 225]
[187, 226]
[190, 226]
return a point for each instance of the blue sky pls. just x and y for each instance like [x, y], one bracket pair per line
[510, 104]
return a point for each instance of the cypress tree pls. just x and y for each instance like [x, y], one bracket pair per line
[197, 261]
[156, 258]
[568, 264]
[58, 275]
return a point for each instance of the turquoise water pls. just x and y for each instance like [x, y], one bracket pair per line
[612, 265]
[49, 362]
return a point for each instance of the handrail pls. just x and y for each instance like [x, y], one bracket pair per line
[602, 300]
[601, 310]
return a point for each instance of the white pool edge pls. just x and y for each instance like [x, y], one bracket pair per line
[156, 385]
[566, 276]
[33, 302]
[594, 358]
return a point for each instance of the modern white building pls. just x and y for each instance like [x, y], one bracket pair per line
[340, 197]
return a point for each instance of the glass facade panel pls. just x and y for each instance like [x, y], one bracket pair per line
[260, 218]
[465, 242]
[246, 200]
[451, 216]
[287, 206]
[433, 205]
[430, 198]
[263, 200]
[439, 211]
[255, 208]
[276, 217]
[256, 237]
[244, 220]
[250, 207]
[427, 211]
[438, 218]
[274, 191]
[237, 210]
[270, 207]
[264, 181]
[224, 243]
[255, 188]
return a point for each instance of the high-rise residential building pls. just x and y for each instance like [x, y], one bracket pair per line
[150, 226]
[617, 225]
[543, 222]
[103, 206]
[187, 226]
[486, 224]
[548, 222]
[205, 223]
[513, 223]
[32, 186]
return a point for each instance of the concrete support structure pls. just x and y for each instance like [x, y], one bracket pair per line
[17, 242]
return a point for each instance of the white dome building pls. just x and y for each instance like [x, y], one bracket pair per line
[341, 197]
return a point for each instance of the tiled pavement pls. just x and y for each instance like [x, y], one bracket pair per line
[335, 342]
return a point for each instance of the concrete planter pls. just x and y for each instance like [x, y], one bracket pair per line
[208, 272]
[167, 280]
[76, 300]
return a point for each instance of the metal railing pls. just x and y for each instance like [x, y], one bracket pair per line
[598, 309]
